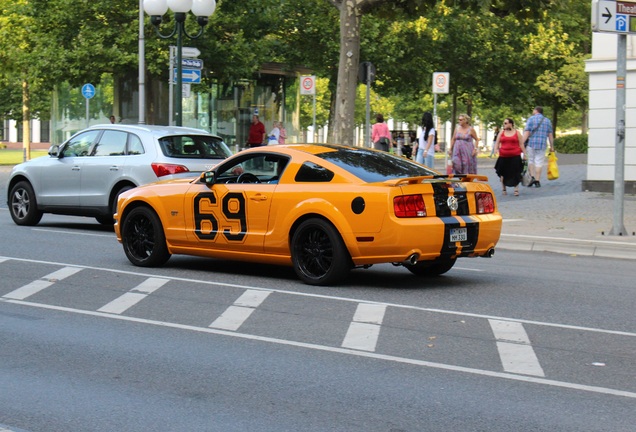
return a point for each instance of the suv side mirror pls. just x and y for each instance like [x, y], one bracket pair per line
[54, 150]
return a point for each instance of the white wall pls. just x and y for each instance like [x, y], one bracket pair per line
[602, 109]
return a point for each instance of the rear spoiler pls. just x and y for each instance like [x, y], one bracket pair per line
[444, 177]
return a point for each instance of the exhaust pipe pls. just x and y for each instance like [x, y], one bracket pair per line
[412, 259]
[489, 253]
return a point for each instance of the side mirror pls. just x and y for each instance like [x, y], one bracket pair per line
[208, 177]
[54, 150]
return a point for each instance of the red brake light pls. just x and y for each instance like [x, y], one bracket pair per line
[164, 169]
[485, 202]
[406, 206]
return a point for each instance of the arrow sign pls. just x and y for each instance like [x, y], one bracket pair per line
[190, 52]
[191, 76]
[607, 15]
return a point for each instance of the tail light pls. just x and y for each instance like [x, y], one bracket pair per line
[164, 169]
[485, 202]
[406, 206]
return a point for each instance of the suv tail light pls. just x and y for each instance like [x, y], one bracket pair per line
[164, 169]
[406, 206]
[485, 202]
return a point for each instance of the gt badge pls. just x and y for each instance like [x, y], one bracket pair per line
[452, 203]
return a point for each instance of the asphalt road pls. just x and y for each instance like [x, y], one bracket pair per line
[522, 341]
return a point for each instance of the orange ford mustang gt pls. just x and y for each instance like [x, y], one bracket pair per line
[323, 209]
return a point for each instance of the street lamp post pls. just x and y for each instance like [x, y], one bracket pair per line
[202, 9]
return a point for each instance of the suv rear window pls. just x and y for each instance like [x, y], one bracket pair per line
[194, 147]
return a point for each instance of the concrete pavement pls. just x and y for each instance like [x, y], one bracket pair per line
[558, 217]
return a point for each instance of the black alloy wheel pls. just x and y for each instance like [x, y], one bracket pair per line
[143, 238]
[319, 255]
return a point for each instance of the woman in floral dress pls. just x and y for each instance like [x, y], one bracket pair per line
[463, 147]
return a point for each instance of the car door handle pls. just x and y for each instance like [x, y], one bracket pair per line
[114, 168]
[75, 168]
[258, 197]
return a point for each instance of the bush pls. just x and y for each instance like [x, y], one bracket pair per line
[571, 144]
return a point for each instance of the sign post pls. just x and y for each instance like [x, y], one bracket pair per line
[618, 17]
[308, 87]
[441, 84]
[88, 91]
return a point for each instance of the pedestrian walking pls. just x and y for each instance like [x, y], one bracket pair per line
[256, 136]
[493, 150]
[283, 133]
[380, 134]
[274, 135]
[463, 147]
[425, 148]
[537, 133]
[509, 165]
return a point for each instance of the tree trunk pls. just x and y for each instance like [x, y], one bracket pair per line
[350, 17]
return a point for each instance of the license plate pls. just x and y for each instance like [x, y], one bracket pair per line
[458, 234]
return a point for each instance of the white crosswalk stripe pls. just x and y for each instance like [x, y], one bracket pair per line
[134, 296]
[38, 285]
[364, 330]
[235, 315]
[515, 351]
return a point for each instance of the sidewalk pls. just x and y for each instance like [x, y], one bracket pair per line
[558, 217]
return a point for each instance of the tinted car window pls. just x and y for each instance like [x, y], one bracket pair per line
[111, 143]
[197, 147]
[80, 144]
[310, 172]
[371, 166]
[135, 147]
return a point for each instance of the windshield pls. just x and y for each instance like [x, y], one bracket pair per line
[371, 166]
[194, 147]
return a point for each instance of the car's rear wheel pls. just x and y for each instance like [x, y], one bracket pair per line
[108, 219]
[431, 268]
[23, 204]
[143, 238]
[319, 255]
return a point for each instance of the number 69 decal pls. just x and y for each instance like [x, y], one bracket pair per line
[206, 210]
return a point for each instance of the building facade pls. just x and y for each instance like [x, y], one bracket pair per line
[602, 114]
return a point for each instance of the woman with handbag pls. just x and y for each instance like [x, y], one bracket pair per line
[509, 165]
[380, 134]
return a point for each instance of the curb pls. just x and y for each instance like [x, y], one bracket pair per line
[595, 248]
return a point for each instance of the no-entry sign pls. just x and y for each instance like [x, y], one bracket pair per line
[308, 85]
[440, 82]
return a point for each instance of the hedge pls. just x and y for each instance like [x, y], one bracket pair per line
[571, 144]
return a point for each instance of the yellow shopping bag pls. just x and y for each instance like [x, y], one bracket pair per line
[553, 168]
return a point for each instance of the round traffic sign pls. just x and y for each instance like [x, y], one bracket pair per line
[88, 91]
[440, 82]
[308, 85]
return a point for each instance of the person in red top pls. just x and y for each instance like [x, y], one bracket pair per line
[380, 134]
[509, 165]
[256, 137]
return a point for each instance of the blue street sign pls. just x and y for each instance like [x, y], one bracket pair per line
[189, 76]
[88, 91]
[192, 63]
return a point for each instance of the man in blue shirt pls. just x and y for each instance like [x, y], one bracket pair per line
[538, 130]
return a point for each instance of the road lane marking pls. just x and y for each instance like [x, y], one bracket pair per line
[344, 299]
[235, 315]
[355, 353]
[515, 351]
[134, 296]
[73, 232]
[364, 330]
[38, 285]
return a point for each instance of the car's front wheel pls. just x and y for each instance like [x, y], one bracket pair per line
[319, 255]
[431, 268]
[143, 238]
[23, 204]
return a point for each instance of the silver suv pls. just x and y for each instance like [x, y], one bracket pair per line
[85, 175]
